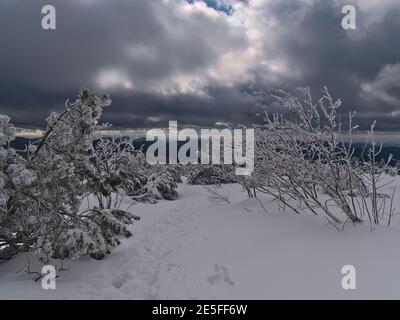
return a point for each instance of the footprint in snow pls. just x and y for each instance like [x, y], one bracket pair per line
[221, 275]
[120, 280]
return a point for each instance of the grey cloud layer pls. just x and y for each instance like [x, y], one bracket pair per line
[169, 60]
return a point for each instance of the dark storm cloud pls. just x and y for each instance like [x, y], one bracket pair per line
[171, 60]
[345, 60]
[148, 110]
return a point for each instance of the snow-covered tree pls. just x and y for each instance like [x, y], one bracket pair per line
[43, 191]
[16, 216]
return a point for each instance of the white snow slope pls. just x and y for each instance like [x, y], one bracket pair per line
[194, 248]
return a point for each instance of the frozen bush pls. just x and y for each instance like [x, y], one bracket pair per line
[162, 185]
[296, 158]
[211, 174]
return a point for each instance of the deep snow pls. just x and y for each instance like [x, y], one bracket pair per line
[194, 248]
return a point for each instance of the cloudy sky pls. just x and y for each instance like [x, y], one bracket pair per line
[198, 62]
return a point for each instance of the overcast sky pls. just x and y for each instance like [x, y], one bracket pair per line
[198, 62]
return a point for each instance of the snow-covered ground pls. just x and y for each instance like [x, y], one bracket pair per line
[194, 248]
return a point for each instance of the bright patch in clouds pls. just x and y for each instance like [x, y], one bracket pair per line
[113, 79]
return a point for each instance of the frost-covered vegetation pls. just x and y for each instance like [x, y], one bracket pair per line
[211, 174]
[43, 187]
[306, 161]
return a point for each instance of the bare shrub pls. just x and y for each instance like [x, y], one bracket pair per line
[296, 158]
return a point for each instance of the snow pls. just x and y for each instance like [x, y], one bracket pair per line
[194, 248]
